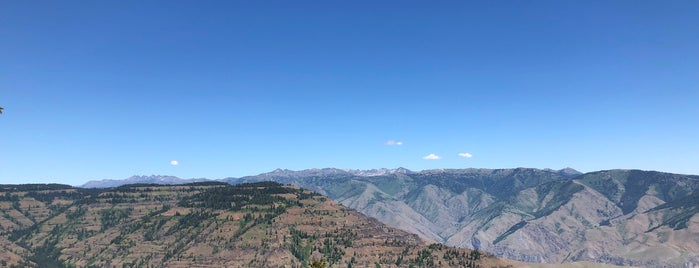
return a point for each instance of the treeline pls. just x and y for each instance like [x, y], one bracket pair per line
[238, 196]
[33, 187]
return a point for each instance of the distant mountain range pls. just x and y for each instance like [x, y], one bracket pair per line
[623, 217]
[153, 179]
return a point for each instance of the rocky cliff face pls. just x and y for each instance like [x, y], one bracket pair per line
[624, 217]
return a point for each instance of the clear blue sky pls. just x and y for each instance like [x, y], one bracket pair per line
[110, 89]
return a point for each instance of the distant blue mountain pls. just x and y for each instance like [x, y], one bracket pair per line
[152, 179]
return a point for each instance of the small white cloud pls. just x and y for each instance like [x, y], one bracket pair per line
[174, 162]
[394, 143]
[431, 157]
[465, 155]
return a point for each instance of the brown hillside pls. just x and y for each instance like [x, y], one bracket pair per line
[205, 225]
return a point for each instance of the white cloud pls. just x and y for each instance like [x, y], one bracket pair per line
[394, 143]
[174, 162]
[431, 157]
[465, 155]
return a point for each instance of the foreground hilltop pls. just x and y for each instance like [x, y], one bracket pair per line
[204, 225]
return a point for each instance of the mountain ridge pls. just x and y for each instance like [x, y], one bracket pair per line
[174, 180]
[152, 179]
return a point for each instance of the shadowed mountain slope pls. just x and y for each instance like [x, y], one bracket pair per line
[623, 217]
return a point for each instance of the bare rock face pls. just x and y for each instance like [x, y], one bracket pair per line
[622, 217]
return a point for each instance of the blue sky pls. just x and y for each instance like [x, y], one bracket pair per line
[110, 89]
